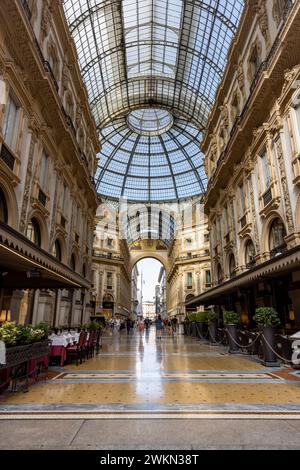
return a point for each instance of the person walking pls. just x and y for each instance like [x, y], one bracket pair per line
[159, 326]
[141, 326]
[174, 325]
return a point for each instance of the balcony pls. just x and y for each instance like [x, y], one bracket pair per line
[7, 157]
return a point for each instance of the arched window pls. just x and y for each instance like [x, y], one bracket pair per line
[250, 254]
[34, 232]
[3, 208]
[57, 250]
[232, 266]
[276, 237]
[73, 262]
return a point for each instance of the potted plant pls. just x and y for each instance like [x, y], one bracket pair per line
[192, 319]
[268, 320]
[212, 319]
[231, 320]
[201, 324]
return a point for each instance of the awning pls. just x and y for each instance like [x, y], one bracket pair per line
[282, 264]
[23, 265]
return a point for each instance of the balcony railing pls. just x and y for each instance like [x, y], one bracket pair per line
[7, 157]
[42, 198]
[267, 197]
[106, 256]
[278, 250]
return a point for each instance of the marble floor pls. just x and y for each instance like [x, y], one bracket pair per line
[175, 377]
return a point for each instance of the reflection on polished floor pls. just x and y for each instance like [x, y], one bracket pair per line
[173, 376]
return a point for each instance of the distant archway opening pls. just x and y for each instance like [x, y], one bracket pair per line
[148, 289]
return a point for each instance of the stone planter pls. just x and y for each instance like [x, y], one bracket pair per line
[212, 328]
[232, 336]
[270, 358]
[194, 330]
[202, 330]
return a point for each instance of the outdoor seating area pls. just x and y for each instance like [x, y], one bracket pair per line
[26, 351]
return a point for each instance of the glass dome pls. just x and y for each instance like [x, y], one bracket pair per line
[161, 167]
[150, 121]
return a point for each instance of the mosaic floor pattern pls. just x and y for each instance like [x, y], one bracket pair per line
[174, 377]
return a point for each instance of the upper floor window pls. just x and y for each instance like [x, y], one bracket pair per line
[109, 280]
[3, 208]
[160, 226]
[69, 106]
[44, 171]
[250, 253]
[110, 242]
[208, 278]
[277, 236]
[64, 199]
[57, 250]
[73, 262]
[242, 199]
[232, 266]
[10, 122]
[235, 109]
[254, 61]
[189, 280]
[265, 170]
[34, 232]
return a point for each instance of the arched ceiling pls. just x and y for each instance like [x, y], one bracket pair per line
[167, 54]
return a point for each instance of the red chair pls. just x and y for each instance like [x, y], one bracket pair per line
[77, 351]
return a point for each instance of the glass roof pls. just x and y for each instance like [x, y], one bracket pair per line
[164, 167]
[150, 121]
[167, 54]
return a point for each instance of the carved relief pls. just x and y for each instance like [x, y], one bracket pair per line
[241, 77]
[284, 184]
[65, 77]
[290, 76]
[27, 186]
[263, 21]
[46, 20]
[253, 211]
[254, 59]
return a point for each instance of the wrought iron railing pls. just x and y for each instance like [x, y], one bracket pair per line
[263, 66]
[267, 197]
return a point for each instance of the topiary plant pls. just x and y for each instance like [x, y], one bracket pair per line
[212, 317]
[266, 316]
[201, 317]
[231, 317]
